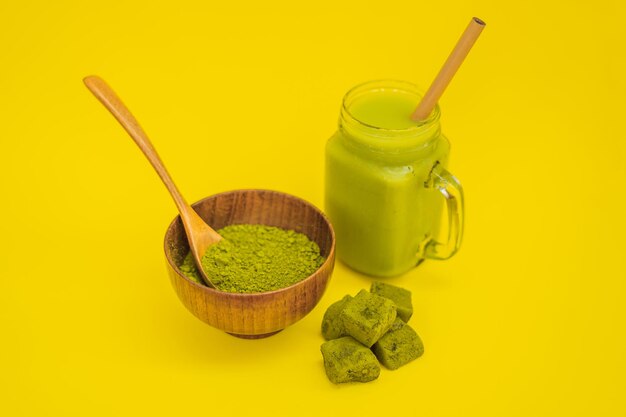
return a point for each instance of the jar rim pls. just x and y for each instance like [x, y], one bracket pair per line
[392, 84]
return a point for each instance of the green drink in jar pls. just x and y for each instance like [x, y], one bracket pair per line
[387, 187]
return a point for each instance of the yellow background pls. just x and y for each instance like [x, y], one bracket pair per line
[528, 319]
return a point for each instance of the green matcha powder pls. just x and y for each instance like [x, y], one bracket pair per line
[256, 258]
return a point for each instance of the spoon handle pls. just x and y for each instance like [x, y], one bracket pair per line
[112, 102]
[200, 234]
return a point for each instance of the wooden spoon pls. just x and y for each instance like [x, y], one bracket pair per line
[199, 234]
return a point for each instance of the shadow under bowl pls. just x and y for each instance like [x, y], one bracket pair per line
[253, 315]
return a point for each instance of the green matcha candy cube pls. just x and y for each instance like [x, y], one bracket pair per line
[346, 360]
[332, 326]
[399, 346]
[400, 296]
[367, 317]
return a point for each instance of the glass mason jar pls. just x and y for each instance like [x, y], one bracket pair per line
[386, 182]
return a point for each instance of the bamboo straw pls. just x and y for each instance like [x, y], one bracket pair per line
[449, 68]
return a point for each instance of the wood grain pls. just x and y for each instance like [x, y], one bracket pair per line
[259, 314]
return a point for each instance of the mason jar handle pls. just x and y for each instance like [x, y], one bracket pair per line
[451, 189]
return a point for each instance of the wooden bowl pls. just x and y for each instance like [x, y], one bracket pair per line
[253, 315]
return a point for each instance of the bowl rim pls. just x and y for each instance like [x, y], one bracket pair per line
[330, 258]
